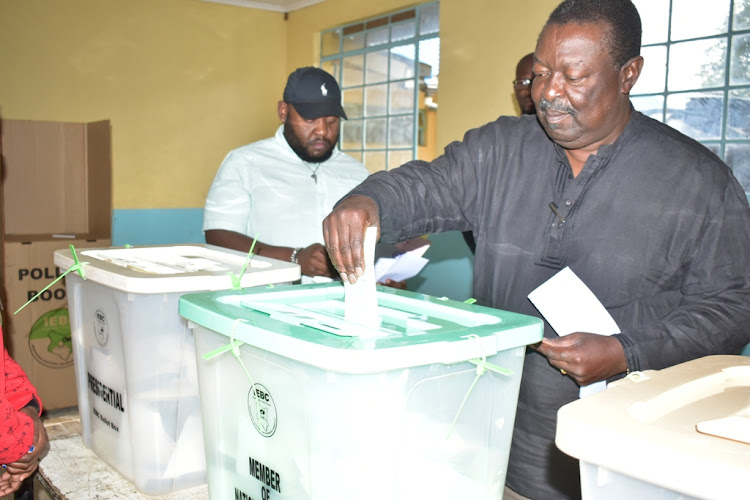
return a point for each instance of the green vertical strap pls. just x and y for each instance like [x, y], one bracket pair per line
[234, 347]
[482, 367]
[480, 372]
[236, 354]
[237, 280]
[78, 266]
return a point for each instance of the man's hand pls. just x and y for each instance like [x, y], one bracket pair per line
[9, 483]
[314, 261]
[344, 233]
[401, 285]
[585, 357]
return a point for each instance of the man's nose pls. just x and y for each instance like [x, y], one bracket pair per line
[551, 87]
[320, 127]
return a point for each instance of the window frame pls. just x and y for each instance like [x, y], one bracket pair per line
[722, 143]
[333, 62]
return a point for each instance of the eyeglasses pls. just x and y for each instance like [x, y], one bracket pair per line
[519, 84]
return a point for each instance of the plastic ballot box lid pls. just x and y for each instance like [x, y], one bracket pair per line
[306, 323]
[176, 268]
[683, 429]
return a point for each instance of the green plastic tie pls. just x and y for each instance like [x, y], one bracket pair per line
[482, 363]
[482, 367]
[78, 266]
[234, 347]
[470, 300]
[222, 350]
[237, 280]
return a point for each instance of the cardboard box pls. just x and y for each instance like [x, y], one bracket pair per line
[39, 337]
[58, 178]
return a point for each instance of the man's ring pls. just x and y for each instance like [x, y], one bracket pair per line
[563, 371]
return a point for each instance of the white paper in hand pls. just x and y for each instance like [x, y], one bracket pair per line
[403, 267]
[360, 299]
[570, 306]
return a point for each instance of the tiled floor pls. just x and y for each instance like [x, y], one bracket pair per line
[62, 423]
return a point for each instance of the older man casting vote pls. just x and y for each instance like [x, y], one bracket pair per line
[653, 222]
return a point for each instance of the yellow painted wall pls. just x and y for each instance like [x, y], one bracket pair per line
[481, 42]
[182, 82]
[185, 81]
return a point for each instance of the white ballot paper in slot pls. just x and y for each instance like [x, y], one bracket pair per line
[360, 299]
[570, 306]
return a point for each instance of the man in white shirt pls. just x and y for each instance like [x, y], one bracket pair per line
[279, 189]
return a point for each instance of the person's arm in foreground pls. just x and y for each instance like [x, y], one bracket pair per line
[16, 472]
[23, 438]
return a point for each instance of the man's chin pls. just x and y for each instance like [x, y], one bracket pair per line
[560, 134]
[317, 156]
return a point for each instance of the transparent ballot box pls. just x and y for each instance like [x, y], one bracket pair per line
[299, 403]
[134, 356]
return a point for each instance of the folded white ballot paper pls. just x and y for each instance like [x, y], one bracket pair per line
[360, 299]
[570, 306]
[403, 266]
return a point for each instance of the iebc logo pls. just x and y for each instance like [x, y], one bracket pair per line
[101, 329]
[262, 410]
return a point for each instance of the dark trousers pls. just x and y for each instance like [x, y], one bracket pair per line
[26, 491]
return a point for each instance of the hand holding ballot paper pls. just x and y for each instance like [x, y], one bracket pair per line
[584, 327]
[405, 260]
[360, 298]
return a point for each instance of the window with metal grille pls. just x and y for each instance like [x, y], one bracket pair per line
[696, 75]
[387, 68]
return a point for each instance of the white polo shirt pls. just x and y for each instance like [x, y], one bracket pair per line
[264, 189]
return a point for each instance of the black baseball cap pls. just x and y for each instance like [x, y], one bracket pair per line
[313, 93]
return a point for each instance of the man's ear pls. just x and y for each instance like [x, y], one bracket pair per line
[282, 109]
[629, 74]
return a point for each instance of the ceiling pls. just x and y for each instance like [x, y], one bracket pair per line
[276, 5]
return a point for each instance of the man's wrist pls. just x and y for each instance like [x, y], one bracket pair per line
[294, 257]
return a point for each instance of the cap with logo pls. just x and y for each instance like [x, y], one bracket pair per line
[313, 93]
